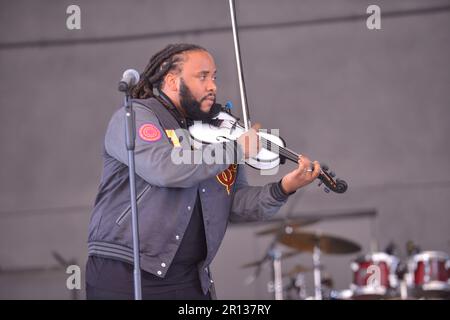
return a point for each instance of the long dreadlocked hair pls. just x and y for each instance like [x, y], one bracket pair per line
[168, 59]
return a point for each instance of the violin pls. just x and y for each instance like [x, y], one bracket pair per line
[225, 127]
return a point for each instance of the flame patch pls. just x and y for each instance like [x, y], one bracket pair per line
[228, 177]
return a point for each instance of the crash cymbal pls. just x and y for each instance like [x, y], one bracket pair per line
[296, 270]
[305, 241]
[288, 227]
[284, 255]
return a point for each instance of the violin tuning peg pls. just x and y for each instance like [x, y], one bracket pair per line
[324, 167]
[326, 190]
[229, 105]
[332, 174]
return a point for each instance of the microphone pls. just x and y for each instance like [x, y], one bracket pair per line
[129, 78]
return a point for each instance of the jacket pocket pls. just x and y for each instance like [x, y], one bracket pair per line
[125, 213]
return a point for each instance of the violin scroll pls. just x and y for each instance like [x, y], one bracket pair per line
[327, 178]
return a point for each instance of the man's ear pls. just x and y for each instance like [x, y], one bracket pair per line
[172, 81]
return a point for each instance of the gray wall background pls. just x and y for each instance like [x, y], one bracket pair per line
[374, 105]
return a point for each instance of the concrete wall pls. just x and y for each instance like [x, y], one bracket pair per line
[374, 105]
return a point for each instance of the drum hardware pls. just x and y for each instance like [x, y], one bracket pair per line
[317, 275]
[374, 276]
[318, 243]
[288, 226]
[278, 281]
[296, 270]
[327, 284]
[284, 255]
[309, 242]
[275, 256]
[425, 275]
[401, 272]
[429, 274]
[297, 283]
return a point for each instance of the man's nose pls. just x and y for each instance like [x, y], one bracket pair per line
[211, 86]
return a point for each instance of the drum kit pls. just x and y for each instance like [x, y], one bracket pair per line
[376, 275]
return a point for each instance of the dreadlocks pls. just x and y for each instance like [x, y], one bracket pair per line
[168, 59]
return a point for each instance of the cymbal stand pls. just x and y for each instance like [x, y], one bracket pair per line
[300, 284]
[277, 277]
[275, 256]
[317, 273]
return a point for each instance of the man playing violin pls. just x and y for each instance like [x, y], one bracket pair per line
[183, 208]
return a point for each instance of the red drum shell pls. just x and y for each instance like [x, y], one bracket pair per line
[364, 270]
[429, 270]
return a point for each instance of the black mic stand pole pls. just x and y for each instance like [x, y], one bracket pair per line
[130, 133]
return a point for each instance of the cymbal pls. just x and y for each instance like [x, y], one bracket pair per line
[297, 269]
[288, 227]
[284, 255]
[305, 241]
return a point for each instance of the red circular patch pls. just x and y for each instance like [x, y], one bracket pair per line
[149, 132]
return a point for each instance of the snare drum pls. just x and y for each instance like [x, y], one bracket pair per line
[374, 275]
[429, 272]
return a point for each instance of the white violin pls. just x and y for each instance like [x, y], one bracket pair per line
[225, 127]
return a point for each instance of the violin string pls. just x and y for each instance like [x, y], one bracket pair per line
[283, 151]
[268, 145]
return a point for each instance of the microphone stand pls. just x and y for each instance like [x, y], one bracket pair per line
[130, 132]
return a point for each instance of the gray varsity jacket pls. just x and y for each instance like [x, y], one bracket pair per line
[166, 194]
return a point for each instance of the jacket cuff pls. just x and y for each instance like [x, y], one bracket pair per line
[278, 193]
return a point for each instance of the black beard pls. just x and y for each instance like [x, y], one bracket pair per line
[192, 106]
